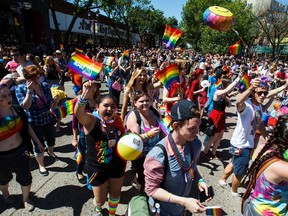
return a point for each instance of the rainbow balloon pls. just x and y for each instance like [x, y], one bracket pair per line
[218, 18]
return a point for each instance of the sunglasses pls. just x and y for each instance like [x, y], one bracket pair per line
[259, 93]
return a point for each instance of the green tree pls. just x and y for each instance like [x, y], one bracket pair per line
[149, 23]
[273, 23]
[206, 39]
[122, 11]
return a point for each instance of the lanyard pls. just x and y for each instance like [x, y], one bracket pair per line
[184, 164]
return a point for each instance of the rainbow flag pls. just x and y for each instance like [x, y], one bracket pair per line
[78, 156]
[125, 53]
[213, 211]
[244, 83]
[235, 49]
[84, 66]
[79, 50]
[218, 84]
[164, 124]
[183, 53]
[108, 60]
[64, 110]
[170, 37]
[61, 47]
[169, 76]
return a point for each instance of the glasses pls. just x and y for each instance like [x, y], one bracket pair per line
[259, 93]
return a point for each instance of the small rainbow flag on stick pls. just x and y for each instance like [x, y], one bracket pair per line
[213, 211]
[165, 123]
[61, 47]
[78, 156]
[64, 110]
[108, 60]
[169, 76]
[244, 83]
[84, 66]
[125, 53]
[170, 37]
[235, 49]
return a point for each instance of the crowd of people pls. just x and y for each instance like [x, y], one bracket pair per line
[32, 86]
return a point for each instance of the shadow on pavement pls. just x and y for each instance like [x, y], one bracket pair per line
[64, 196]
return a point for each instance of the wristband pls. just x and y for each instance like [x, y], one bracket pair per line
[149, 134]
[168, 197]
[200, 181]
[82, 100]
[278, 91]
[29, 91]
[144, 136]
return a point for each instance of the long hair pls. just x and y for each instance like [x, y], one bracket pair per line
[278, 142]
[134, 76]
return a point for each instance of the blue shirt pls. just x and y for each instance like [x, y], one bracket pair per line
[38, 111]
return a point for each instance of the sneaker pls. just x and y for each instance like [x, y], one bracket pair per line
[29, 205]
[97, 214]
[235, 194]
[43, 171]
[222, 183]
[9, 200]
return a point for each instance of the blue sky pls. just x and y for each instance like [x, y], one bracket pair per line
[170, 7]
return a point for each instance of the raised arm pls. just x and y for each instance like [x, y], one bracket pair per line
[240, 102]
[125, 103]
[86, 119]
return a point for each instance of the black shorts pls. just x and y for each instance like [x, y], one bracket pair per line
[15, 161]
[101, 177]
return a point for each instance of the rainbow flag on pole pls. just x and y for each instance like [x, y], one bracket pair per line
[84, 66]
[108, 60]
[235, 49]
[169, 76]
[165, 123]
[170, 37]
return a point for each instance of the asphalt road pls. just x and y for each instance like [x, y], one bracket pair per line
[59, 193]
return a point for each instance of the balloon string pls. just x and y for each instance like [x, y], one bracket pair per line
[237, 33]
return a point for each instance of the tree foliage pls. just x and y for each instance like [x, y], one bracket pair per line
[273, 23]
[123, 11]
[206, 39]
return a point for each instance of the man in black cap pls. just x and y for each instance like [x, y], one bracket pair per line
[169, 177]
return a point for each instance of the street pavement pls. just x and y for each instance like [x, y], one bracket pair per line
[60, 193]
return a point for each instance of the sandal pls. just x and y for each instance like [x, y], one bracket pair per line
[81, 180]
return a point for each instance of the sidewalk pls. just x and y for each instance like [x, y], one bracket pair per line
[59, 193]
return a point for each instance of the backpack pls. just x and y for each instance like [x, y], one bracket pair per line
[138, 205]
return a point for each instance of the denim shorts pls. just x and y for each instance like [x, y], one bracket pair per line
[241, 162]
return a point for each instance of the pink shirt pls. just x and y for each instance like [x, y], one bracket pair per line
[11, 66]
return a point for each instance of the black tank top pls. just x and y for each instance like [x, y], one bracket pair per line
[100, 155]
[219, 105]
